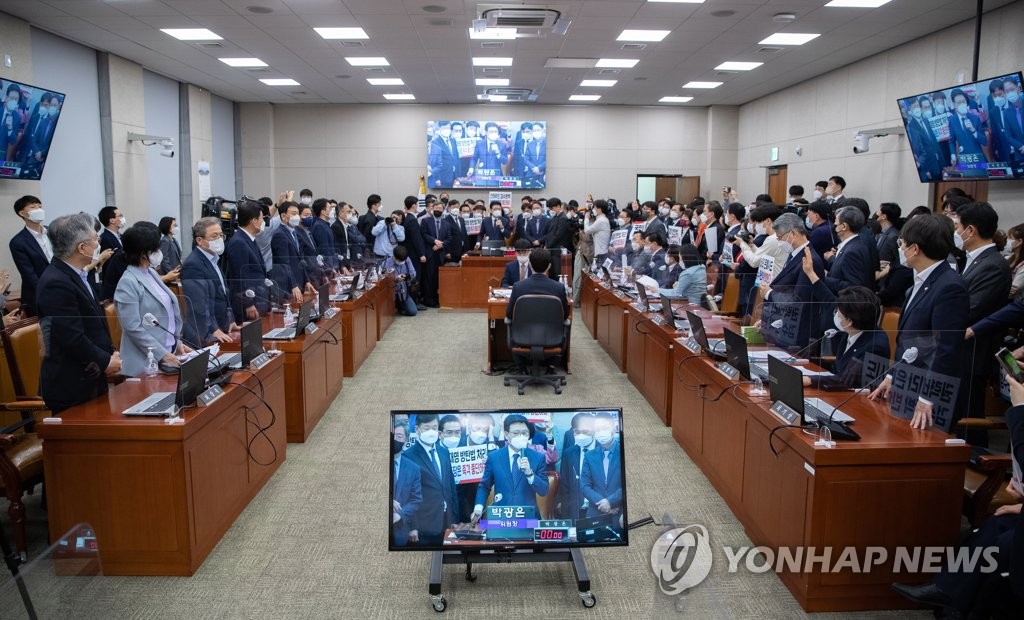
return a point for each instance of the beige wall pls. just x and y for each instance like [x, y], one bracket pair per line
[821, 116]
[127, 115]
[15, 40]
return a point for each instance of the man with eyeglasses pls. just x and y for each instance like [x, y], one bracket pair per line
[516, 473]
[209, 317]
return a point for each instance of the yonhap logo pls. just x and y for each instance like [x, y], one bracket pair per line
[681, 558]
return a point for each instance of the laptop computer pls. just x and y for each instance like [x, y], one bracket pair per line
[711, 347]
[287, 333]
[323, 297]
[641, 295]
[670, 318]
[252, 347]
[191, 381]
[786, 385]
[349, 293]
[737, 356]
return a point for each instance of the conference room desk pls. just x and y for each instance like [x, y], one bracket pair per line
[497, 336]
[365, 319]
[466, 285]
[896, 487]
[161, 496]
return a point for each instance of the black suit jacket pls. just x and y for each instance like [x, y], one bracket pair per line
[365, 224]
[432, 229]
[31, 263]
[852, 266]
[348, 241]
[537, 284]
[559, 234]
[413, 238]
[849, 366]
[987, 278]
[432, 519]
[76, 343]
[109, 241]
[934, 321]
[459, 235]
[511, 275]
[246, 271]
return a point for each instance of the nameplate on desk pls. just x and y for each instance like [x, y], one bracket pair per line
[211, 394]
[784, 412]
[728, 370]
[329, 314]
[260, 361]
[658, 320]
[692, 346]
[310, 328]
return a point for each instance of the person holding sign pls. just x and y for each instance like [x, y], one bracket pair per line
[517, 475]
[773, 253]
[597, 227]
[712, 239]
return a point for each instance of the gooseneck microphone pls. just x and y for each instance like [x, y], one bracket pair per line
[909, 357]
[828, 334]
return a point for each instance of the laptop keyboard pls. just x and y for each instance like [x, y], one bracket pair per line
[280, 332]
[160, 405]
[231, 360]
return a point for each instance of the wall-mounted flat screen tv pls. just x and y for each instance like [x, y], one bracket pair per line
[496, 154]
[29, 121]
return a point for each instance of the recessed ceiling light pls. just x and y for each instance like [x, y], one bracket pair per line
[702, 85]
[598, 83]
[492, 81]
[858, 4]
[616, 63]
[399, 96]
[789, 38]
[675, 99]
[342, 33]
[385, 81]
[490, 61]
[493, 33]
[584, 97]
[243, 62]
[280, 82]
[497, 97]
[643, 35]
[367, 61]
[191, 34]
[733, 65]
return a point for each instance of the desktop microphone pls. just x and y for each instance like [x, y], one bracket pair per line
[828, 334]
[909, 357]
[285, 295]
[151, 321]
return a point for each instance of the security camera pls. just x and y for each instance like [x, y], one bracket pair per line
[168, 148]
[861, 138]
[860, 143]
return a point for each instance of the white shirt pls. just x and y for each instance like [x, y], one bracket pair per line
[771, 247]
[850, 339]
[44, 242]
[601, 232]
[919, 278]
[973, 254]
[799, 250]
[842, 244]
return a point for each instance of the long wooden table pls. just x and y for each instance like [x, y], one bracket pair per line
[466, 285]
[161, 496]
[497, 336]
[365, 319]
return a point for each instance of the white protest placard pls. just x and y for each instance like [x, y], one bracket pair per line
[618, 239]
[711, 236]
[765, 271]
[473, 225]
[725, 259]
[675, 235]
[639, 226]
[505, 198]
[468, 463]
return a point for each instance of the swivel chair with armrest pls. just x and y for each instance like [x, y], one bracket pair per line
[538, 330]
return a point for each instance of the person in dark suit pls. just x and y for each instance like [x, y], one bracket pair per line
[113, 223]
[12, 124]
[36, 143]
[492, 154]
[413, 243]
[601, 479]
[966, 131]
[170, 266]
[496, 227]
[78, 354]
[1012, 123]
[649, 211]
[927, 154]
[570, 501]
[323, 237]
[369, 219]
[517, 474]
[247, 273]
[208, 317]
[559, 233]
[789, 295]
[442, 157]
[288, 274]
[822, 238]
[535, 158]
[934, 316]
[349, 242]
[438, 242]
[407, 493]
[888, 218]
[439, 508]
[455, 221]
[518, 269]
[535, 228]
[314, 264]
[713, 235]
[850, 264]
[30, 249]
[835, 192]
[538, 283]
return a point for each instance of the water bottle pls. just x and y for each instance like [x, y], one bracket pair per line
[151, 367]
[289, 316]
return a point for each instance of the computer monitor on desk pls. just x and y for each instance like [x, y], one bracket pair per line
[710, 347]
[786, 386]
[492, 248]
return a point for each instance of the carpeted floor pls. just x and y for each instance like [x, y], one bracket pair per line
[313, 544]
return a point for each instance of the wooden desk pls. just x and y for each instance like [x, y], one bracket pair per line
[365, 320]
[896, 487]
[465, 285]
[161, 496]
[497, 336]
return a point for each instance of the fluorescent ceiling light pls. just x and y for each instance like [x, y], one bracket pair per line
[702, 85]
[733, 65]
[191, 34]
[279, 82]
[493, 33]
[584, 97]
[492, 62]
[243, 62]
[342, 33]
[492, 81]
[789, 38]
[616, 63]
[399, 96]
[497, 97]
[858, 4]
[675, 99]
[367, 61]
[385, 81]
[643, 35]
[598, 83]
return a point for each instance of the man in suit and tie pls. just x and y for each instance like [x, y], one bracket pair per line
[850, 265]
[12, 125]
[535, 227]
[247, 273]
[323, 237]
[36, 143]
[368, 220]
[601, 479]
[439, 509]
[535, 159]
[571, 503]
[492, 153]
[835, 191]
[888, 218]
[413, 242]
[438, 242]
[496, 227]
[539, 283]
[459, 233]
[967, 134]
[207, 311]
[30, 249]
[349, 242]
[407, 493]
[935, 313]
[78, 354]
[516, 473]
[288, 274]
[442, 157]
[519, 269]
[791, 289]
[114, 223]
[923, 143]
[1012, 121]
[559, 233]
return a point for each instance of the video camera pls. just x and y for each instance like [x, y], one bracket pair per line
[226, 211]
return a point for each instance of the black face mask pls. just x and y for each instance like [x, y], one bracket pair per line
[396, 446]
[438, 213]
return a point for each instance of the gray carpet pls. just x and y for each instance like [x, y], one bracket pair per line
[313, 544]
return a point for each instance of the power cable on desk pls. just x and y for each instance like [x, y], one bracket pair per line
[260, 430]
[696, 387]
[780, 427]
[726, 389]
[255, 376]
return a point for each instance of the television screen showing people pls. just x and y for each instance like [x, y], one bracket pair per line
[970, 131]
[30, 116]
[504, 154]
[501, 478]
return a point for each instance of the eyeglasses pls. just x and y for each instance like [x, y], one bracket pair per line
[518, 433]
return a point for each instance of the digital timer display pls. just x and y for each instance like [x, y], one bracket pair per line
[551, 534]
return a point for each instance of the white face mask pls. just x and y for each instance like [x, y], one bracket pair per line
[940, 109]
[174, 231]
[333, 215]
[123, 221]
[807, 222]
[916, 112]
[352, 219]
[999, 101]
[704, 217]
[429, 437]
[958, 240]
[519, 442]
[674, 215]
[664, 210]
[1012, 96]
[478, 437]
[450, 442]
[635, 246]
[903, 256]
[1010, 244]
[817, 194]
[527, 215]
[506, 210]
[305, 200]
[44, 111]
[760, 229]
[217, 247]
[294, 220]
[603, 437]
[36, 215]
[962, 109]
[466, 216]
[583, 440]
[538, 213]
[155, 258]
[454, 212]
[838, 321]
[12, 105]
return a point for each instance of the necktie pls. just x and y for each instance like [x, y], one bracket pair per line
[583, 457]
[295, 240]
[517, 474]
[437, 463]
[606, 453]
[522, 271]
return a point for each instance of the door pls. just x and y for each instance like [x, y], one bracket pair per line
[675, 186]
[977, 189]
[687, 188]
[778, 186]
[664, 186]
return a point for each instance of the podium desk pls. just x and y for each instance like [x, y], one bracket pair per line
[896, 487]
[161, 496]
[497, 336]
[466, 285]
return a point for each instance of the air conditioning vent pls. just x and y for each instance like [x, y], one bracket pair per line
[634, 46]
[375, 69]
[492, 70]
[352, 44]
[725, 73]
[608, 71]
[258, 70]
[511, 94]
[211, 44]
[441, 21]
[769, 50]
[492, 44]
[520, 17]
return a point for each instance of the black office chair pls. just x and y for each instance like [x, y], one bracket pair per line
[537, 330]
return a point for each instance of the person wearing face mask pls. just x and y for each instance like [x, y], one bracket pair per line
[323, 237]
[348, 241]
[306, 198]
[601, 479]
[287, 272]
[1014, 253]
[559, 233]
[967, 136]
[570, 503]
[208, 317]
[821, 236]
[439, 244]
[789, 295]
[78, 355]
[711, 238]
[934, 315]
[442, 157]
[517, 474]
[246, 270]
[170, 268]
[478, 429]
[414, 245]
[114, 224]
[518, 269]
[649, 211]
[408, 492]
[35, 145]
[439, 509]
[30, 249]
[819, 191]
[1012, 123]
[850, 264]
[401, 269]
[310, 257]
[459, 233]
[536, 227]
[110, 246]
[771, 247]
[12, 124]
[923, 143]
[492, 153]
[656, 256]
[687, 275]
[141, 292]
[496, 227]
